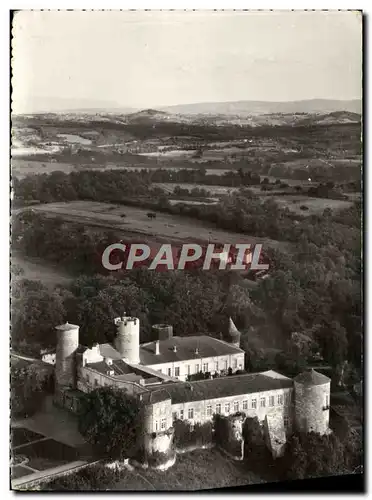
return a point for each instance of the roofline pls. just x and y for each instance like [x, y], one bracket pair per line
[228, 344]
[229, 377]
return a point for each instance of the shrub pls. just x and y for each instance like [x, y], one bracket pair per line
[158, 458]
[95, 477]
[184, 436]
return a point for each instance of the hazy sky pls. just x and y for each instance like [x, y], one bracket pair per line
[145, 59]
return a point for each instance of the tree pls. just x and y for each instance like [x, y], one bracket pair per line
[35, 312]
[332, 340]
[111, 421]
[314, 455]
[29, 385]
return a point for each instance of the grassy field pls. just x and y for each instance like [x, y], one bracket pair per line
[169, 187]
[165, 227]
[314, 205]
[202, 469]
[38, 270]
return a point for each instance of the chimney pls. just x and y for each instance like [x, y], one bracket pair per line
[174, 348]
[196, 350]
[157, 347]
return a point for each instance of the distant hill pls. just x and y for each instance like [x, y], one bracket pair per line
[242, 108]
[43, 105]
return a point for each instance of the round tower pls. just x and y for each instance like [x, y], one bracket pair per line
[233, 334]
[162, 332]
[312, 393]
[127, 338]
[67, 344]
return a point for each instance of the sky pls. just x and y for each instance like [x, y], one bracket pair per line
[139, 59]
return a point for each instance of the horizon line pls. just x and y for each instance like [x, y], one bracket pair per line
[160, 107]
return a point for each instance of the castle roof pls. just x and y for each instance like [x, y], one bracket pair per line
[217, 388]
[66, 327]
[312, 377]
[233, 332]
[185, 349]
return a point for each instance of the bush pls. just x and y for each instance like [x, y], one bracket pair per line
[158, 458]
[95, 477]
[184, 436]
[312, 455]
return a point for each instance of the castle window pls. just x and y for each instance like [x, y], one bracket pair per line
[209, 411]
[235, 363]
[156, 425]
[271, 401]
[181, 414]
[225, 365]
[190, 413]
[175, 415]
[236, 406]
[218, 408]
[227, 408]
[197, 368]
[286, 421]
[263, 402]
[169, 372]
[280, 399]
[163, 424]
[327, 400]
[286, 397]
[254, 403]
[245, 405]
[177, 371]
[205, 367]
[188, 369]
[216, 366]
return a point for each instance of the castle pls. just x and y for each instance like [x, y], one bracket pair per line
[156, 373]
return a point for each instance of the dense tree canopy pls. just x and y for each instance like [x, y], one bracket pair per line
[111, 421]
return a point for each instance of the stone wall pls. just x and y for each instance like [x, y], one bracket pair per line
[229, 435]
[158, 416]
[244, 403]
[312, 407]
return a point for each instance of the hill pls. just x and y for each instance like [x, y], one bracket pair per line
[266, 107]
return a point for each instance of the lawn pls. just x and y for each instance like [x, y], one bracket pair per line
[20, 436]
[47, 454]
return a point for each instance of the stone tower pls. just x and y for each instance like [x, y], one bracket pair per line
[127, 338]
[162, 332]
[312, 393]
[233, 334]
[67, 344]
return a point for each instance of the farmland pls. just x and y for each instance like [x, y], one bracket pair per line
[313, 205]
[37, 269]
[164, 228]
